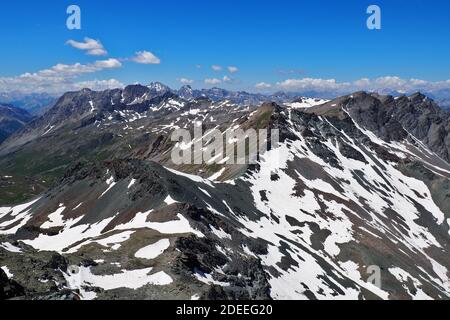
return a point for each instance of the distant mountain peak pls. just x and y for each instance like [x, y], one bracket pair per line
[418, 96]
[158, 87]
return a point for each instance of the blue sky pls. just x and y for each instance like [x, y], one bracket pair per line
[269, 42]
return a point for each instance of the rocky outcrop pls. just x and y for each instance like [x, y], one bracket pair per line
[9, 289]
[394, 119]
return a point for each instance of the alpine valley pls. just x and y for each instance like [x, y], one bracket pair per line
[92, 207]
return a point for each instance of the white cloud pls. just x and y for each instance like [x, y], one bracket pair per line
[291, 71]
[108, 64]
[386, 84]
[59, 78]
[146, 57]
[389, 82]
[73, 70]
[213, 81]
[98, 52]
[232, 69]
[216, 68]
[97, 85]
[395, 83]
[364, 82]
[263, 85]
[186, 81]
[308, 84]
[418, 82]
[91, 46]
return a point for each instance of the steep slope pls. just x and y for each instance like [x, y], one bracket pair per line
[394, 119]
[345, 193]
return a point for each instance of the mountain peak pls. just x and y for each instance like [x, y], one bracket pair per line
[158, 87]
[418, 97]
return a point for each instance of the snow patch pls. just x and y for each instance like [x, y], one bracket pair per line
[81, 277]
[8, 273]
[154, 250]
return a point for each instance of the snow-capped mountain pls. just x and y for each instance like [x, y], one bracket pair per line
[158, 88]
[358, 184]
[186, 92]
[304, 102]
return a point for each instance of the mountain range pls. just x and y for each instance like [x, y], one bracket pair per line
[93, 207]
[11, 120]
[34, 103]
[39, 103]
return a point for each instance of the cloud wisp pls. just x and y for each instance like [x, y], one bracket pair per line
[213, 81]
[146, 57]
[90, 46]
[263, 86]
[232, 69]
[185, 81]
[216, 81]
